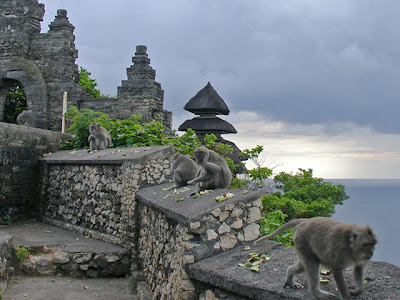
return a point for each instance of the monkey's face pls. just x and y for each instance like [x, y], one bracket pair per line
[365, 243]
[200, 154]
[94, 127]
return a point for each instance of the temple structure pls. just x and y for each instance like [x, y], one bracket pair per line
[44, 64]
[207, 104]
[140, 94]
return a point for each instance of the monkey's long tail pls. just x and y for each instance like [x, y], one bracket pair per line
[284, 227]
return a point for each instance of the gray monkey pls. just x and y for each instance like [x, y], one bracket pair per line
[333, 244]
[183, 169]
[213, 172]
[99, 138]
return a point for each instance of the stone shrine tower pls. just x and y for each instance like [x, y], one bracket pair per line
[140, 94]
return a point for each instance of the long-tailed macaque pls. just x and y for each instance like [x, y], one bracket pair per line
[213, 173]
[99, 137]
[183, 169]
[333, 244]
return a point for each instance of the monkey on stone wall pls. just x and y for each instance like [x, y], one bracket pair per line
[99, 138]
[183, 169]
[333, 244]
[213, 172]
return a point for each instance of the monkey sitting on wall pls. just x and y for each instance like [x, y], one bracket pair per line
[333, 244]
[99, 138]
[183, 169]
[213, 172]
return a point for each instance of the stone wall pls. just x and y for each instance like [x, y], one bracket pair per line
[20, 150]
[94, 193]
[177, 230]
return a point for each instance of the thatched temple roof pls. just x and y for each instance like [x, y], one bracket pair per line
[208, 125]
[207, 101]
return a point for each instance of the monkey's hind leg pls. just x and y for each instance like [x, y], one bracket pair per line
[297, 268]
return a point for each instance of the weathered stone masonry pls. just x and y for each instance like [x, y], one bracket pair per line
[94, 193]
[177, 230]
[44, 63]
[20, 150]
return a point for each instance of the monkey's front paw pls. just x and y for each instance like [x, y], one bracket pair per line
[190, 182]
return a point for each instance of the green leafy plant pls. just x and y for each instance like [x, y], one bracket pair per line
[259, 174]
[273, 221]
[88, 83]
[14, 103]
[23, 252]
[6, 219]
[186, 143]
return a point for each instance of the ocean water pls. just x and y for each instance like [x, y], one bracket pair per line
[374, 202]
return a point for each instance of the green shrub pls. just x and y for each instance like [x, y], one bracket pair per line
[303, 197]
[133, 133]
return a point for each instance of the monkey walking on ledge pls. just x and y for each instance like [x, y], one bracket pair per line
[333, 244]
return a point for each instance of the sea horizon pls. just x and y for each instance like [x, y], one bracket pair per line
[374, 202]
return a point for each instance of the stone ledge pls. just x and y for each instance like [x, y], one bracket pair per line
[110, 156]
[184, 208]
[222, 271]
[60, 251]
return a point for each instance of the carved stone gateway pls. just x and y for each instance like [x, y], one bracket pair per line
[44, 64]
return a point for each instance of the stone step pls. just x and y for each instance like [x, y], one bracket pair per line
[58, 251]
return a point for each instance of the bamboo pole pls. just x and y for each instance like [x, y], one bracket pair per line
[64, 111]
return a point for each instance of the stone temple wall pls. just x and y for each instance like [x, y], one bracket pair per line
[21, 148]
[44, 63]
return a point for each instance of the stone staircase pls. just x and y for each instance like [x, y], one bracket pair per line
[58, 252]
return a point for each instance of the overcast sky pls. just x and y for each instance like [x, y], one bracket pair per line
[317, 83]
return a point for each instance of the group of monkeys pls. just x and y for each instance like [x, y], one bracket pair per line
[318, 241]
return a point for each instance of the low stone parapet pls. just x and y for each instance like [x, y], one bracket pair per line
[177, 229]
[93, 192]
